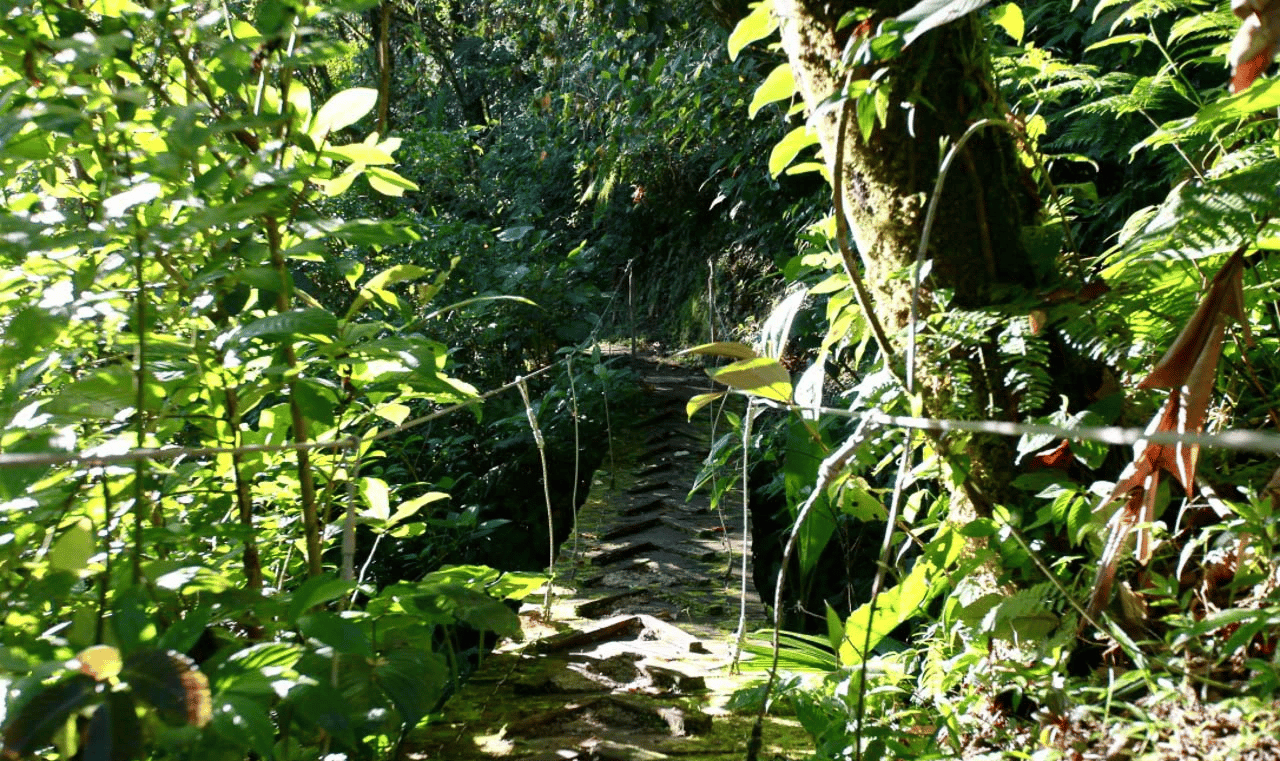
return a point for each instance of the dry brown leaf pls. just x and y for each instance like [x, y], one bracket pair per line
[1188, 369]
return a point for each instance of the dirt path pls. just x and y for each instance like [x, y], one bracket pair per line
[634, 662]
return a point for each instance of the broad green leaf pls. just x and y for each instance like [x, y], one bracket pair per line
[517, 585]
[359, 153]
[835, 627]
[760, 376]
[300, 99]
[901, 603]
[411, 508]
[392, 412]
[1009, 18]
[804, 167]
[832, 283]
[339, 185]
[804, 454]
[28, 330]
[470, 607]
[387, 182]
[731, 349]
[243, 31]
[342, 634]
[342, 110]
[758, 24]
[414, 680]
[269, 654]
[373, 232]
[789, 147]
[317, 590]
[779, 85]
[74, 548]
[866, 109]
[289, 325]
[375, 493]
[245, 722]
[513, 234]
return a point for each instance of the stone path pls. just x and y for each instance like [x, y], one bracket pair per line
[634, 662]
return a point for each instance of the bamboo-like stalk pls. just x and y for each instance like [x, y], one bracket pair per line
[244, 499]
[546, 492]
[306, 475]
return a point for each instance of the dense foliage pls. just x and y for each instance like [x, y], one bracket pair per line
[300, 297]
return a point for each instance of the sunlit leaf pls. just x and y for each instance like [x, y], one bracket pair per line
[102, 662]
[1009, 18]
[789, 147]
[903, 602]
[72, 550]
[699, 401]
[388, 182]
[757, 25]
[761, 376]
[342, 110]
[359, 153]
[376, 495]
[731, 349]
[411, 507]
[376, 287]
[779, 85]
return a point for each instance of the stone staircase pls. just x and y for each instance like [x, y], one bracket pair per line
[635, 660]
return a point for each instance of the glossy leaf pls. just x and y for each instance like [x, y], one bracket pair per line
[291, 325]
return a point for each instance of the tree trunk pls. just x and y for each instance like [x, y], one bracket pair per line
[938, 86]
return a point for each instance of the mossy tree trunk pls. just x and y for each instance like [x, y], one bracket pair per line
[938, 87]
